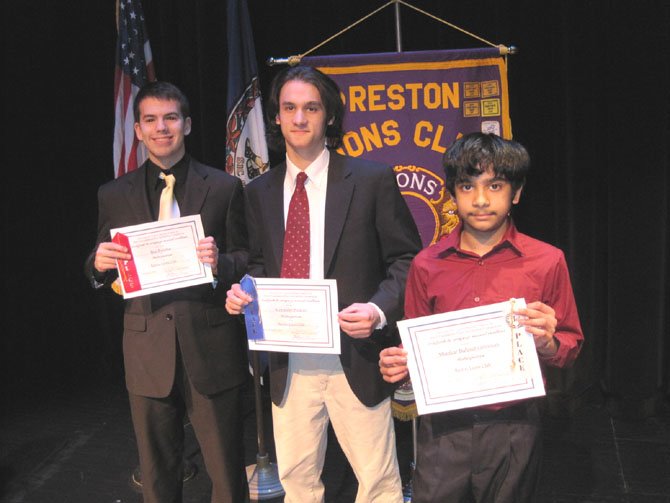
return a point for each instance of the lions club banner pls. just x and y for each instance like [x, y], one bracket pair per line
[405, 109]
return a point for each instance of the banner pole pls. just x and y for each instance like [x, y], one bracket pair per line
[398, 28]
[294, 60]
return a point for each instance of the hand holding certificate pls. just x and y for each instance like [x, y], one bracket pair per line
[164, 256]
[471, 357]
[292, 315]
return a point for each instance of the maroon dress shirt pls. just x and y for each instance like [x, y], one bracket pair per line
[445, 278]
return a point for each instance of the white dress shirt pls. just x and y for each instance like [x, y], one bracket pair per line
[316, 186]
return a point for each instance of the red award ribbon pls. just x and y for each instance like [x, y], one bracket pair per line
[127, 269]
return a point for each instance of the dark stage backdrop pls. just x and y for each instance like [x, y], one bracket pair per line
[589, 94]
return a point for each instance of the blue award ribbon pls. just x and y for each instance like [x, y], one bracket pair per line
[252, 314]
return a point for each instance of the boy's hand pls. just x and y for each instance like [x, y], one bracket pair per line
[107, 254]
[208, 253]
[358, 320]
[236, 299]
[393, 364]
[540, 320]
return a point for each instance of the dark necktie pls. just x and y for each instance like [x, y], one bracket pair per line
[295, 261]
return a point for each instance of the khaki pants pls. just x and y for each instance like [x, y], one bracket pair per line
[317, 392]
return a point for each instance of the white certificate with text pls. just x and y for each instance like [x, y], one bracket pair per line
[471, 357]
[164, 256]
[297, 316]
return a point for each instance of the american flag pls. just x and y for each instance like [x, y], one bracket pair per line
[246, 149]
[134, 68]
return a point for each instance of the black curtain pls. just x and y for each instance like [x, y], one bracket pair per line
[590, 99]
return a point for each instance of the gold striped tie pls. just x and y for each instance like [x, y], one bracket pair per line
[168, 207]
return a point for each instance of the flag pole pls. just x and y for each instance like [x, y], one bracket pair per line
[263, 477]
[407, 489]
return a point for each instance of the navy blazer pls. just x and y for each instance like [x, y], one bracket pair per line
[370, 240]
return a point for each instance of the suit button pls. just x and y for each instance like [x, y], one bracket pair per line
[168, 317]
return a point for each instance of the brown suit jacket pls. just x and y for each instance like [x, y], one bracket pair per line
[212, 344]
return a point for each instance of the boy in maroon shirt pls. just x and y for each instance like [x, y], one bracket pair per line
[488, 453]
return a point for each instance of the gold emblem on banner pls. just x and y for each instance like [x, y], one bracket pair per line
[491, 107]
[422, 185]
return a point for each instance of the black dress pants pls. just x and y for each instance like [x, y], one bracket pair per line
[476, 455]
[218, 426]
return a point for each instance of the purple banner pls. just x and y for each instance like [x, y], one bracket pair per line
[405, 109]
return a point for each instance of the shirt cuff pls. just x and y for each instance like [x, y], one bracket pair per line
[96, 284]
[382, 317]
[98, 279]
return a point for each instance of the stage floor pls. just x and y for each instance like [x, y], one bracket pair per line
[76, 445]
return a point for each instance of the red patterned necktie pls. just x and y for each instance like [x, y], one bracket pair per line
[295, 262]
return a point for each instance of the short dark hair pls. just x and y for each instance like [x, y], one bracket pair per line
[476, 153]
[162, 91]
[330, 96]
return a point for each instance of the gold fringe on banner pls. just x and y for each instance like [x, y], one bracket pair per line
[403, 405]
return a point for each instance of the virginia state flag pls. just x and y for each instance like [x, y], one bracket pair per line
[246, 149]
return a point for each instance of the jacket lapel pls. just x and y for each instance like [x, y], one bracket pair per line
[338, 197]
[136, 195]
[196, 190]
[273, 209]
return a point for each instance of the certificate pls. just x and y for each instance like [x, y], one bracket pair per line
[164, 256]
[470, 358]
[292, 315]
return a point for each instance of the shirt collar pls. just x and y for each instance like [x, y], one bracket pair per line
[315, 171]
[451, 243]
[179, 170]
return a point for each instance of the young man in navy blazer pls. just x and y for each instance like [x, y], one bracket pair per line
[361, 234]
